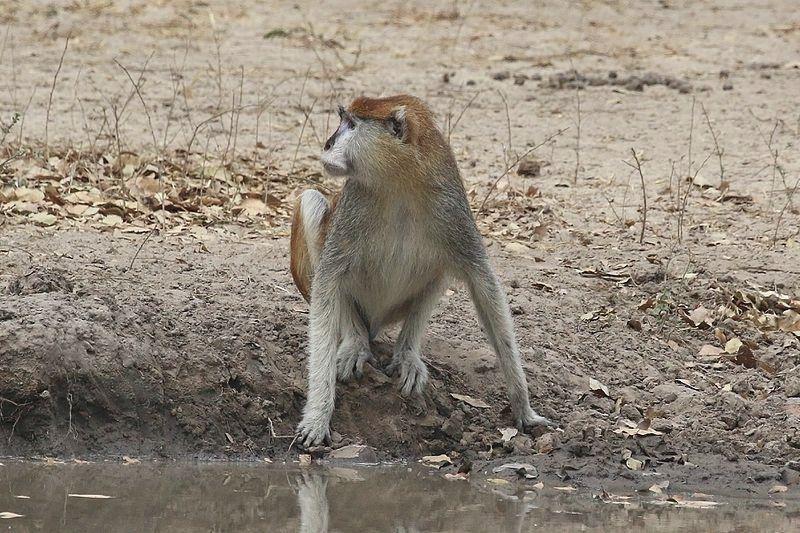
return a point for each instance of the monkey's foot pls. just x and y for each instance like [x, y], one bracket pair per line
[530, 419]
[313, 431]
[350, 362]
[412, 371]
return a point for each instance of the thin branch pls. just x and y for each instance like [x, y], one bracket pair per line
[50, 100]
[638, 168]
[141, 98]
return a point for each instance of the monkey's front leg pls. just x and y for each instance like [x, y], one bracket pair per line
[325, 333]
[336, 339]
[407, 361]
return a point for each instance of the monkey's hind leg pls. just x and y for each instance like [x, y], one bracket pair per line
[353, 352]
[407, 361]
[309, 227]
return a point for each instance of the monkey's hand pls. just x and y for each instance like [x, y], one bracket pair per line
[530, 419]
[412, 371]
[313, 430]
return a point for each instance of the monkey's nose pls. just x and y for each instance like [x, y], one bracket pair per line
[330, 142]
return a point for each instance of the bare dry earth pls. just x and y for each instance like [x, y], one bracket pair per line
[197, 347]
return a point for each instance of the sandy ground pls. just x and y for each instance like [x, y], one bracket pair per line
[177, 331]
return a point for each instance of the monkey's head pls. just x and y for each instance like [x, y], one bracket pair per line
[380, 140]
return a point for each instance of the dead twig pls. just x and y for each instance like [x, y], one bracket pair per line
[139, 94]
[717, 149]
[50, 100]
[147, 238]
[638, 168]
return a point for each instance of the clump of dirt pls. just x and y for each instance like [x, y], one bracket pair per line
[572, 79]
[40, 280]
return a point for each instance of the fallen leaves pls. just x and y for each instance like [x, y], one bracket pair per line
[632, 429]
[91, 496]
[5, 515]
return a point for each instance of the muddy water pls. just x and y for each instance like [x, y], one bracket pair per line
[242, 498]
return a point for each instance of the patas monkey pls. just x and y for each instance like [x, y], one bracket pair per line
[384, 251]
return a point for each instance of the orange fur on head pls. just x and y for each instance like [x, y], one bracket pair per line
[419, 118]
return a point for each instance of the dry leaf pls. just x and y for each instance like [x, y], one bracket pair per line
[632, 429]
[778, 488]
[305, 459]
[733, 345]
[130, 460]
[469, 400]
[91, 496]
[5, 515]
[25, 194]
[498, 481]
[437, 461]
[508, 433]
[700, 315]
[566, 489]
[598, 388]
[634, 464]
[526, 470]
[708, 349]
[659, 488]
[43, 219]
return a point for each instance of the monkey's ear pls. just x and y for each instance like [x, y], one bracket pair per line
[342, 112]
[397, 123]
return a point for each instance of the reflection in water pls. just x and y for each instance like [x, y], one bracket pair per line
[252, 497]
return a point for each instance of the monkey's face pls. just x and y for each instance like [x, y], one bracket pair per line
[337, 156]
[363, 148]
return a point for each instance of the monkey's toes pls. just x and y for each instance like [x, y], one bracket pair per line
[412, 371]
[310, 434]
[352, 364]
[532, 419]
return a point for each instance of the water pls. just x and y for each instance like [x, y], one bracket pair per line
[265, 498]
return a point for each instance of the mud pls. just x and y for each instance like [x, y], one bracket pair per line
[189, 340]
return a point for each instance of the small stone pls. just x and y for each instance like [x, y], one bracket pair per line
[470, 82]
[662, 424]
[634, 84]
[529, 167]
[728, 86]
[501, 76]
[630, 412]
[520, 79]
[546, 443]
[790, 477]
[454, 426]
[446, 77]
[792, 386]
[612, 75]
